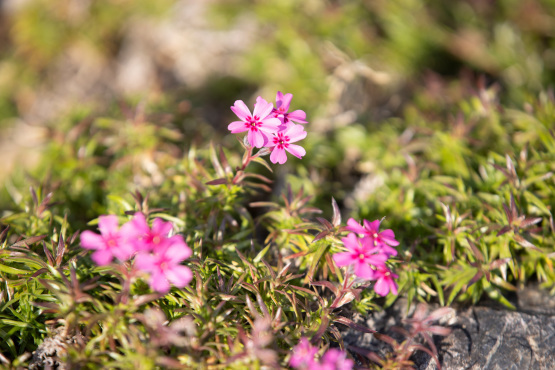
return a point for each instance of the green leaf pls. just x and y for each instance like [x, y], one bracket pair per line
[13, 270]
[261, 254]
[315, 260]
[462, 280]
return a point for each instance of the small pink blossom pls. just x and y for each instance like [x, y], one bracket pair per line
[282, 141]
[362, 255]
[384, 281]
[112, 241]
[282, 108]
[371, 231]
[260, 124]
[335, 359]
[303, 355]
[150, 239]
[164, 266]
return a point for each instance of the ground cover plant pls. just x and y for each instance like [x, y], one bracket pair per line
[152, 234]
[254, 287]
[241, 301]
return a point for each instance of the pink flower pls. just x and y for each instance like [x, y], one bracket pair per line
[164, 266]
[110, 243]
[335, 359]
[260, 124]
[303, 355]
[282, 107]
[362, 255]
[147, 239]
[282, 142]
[371, 231]
[384, 281]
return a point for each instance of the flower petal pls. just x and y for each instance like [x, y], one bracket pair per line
[388, 236]
[363, 270]
[283, 101]
[372, 227]
[355, 227]
[90, 240]
[270, 125]
[351, 242]
[159, 282]
[295, 133]
[102, 257]
[140, 224]
[144, 262]
[256, 139]
[237, 127]
[278, 155]
[123, 251]
[377, 259]
[108, 225]
[262, 108]
[179, 276]
[161, 227]
[392, 286]
[390, 251]
[381, 287]
[129, 233]
[297, 150]
[343, 259]
[241, 110]
[178, 251]
[298, 116]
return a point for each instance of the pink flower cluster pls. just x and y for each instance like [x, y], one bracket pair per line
[271, 127]
[367, 251]
[304, 353]
[156, 252]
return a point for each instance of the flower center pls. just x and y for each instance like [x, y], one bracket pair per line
[281, 141]
[156, 239]
[375, 235]
[361, 256]
[253, 123]
[112, 243]
[163, 265]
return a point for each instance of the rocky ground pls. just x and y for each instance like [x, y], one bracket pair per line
[485, 336]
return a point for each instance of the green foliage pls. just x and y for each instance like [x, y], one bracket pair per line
[461, 166]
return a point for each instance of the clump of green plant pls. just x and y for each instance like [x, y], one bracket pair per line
[186, 276]
[475, 192]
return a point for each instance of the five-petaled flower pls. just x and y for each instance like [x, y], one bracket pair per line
[283, 140]
[384, 281]
[150, 239]
[303, 355]
[112, 241]
[260, 124]
[365, 257]
[157, 253]
[335, 359]
[282, 108]
[271, 127]
[164, 266]
[371, 231]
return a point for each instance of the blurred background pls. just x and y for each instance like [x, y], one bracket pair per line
[353, 66]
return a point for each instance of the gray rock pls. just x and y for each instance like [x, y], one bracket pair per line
[487, 338]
